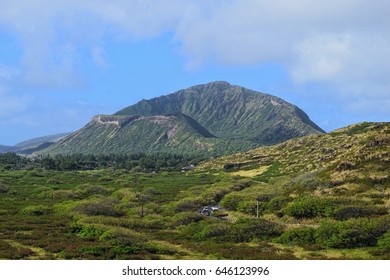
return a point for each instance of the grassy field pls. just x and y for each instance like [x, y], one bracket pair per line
[102, 215]
[317, 197]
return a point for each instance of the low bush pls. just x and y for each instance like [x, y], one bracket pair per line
[88, 232]
[186, 218]
[384, 241]
[35, 210]
[352, 233]
[277, 203]
[123, 237]
[355, 211]
[93, 251]
[299, 236]
[188, 204]
[245, 230]
[4, 188]
[231, 201]
[309, 207]
[104, 207]
[87, 190]
[215, 231]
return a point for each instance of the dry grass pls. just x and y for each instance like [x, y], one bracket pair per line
[251, 173]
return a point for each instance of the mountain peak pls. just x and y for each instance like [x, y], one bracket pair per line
[213, 118]
[232, 112]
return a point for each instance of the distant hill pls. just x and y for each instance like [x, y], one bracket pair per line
[33, 145]
[39, 140]
[214, 119]
[5, 149]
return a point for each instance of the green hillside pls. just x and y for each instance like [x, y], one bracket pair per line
[211, 119]
[173, 133]
[232, 112]
[315, 197]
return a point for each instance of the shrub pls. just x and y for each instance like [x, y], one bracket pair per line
[231, 201]
[245, 230]
[384, 241]
[35, 210]
[188, 204]
[240, 185]
[4, 188]
[58, 194]
[192, 231]
[352, 233]
[87, 190]
[54, 182]
[89, 232]
[299, 236]
[214, 195]
[123, 237]
[215, 231]
[104, 207]
[354, 211]
[277, 203]
[186, 218]
[310, 207]
[95, 251]
[105, 179]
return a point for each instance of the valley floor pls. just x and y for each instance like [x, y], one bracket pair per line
[108, 214]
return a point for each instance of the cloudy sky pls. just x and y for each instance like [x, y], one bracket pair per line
[63, 61]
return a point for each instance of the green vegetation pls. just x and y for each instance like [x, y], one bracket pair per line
[316, 197]
[232, 112]
[209, 120]
[173, 133]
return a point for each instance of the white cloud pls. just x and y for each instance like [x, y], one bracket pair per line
[47, 28]
[6, 73]
[322, 57]
[339, 43]
[331, 44]
[98, 55]
[225, 31]
[11, 106]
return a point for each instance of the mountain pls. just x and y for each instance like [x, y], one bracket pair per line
[122, 134]
[33, 145]
[40, 140]
[5, 149]
[232, 112]
[213, 119]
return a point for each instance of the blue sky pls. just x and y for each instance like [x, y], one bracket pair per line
[62, 62]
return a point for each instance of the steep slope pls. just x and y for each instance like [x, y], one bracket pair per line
[174, 133]
[232, 112]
